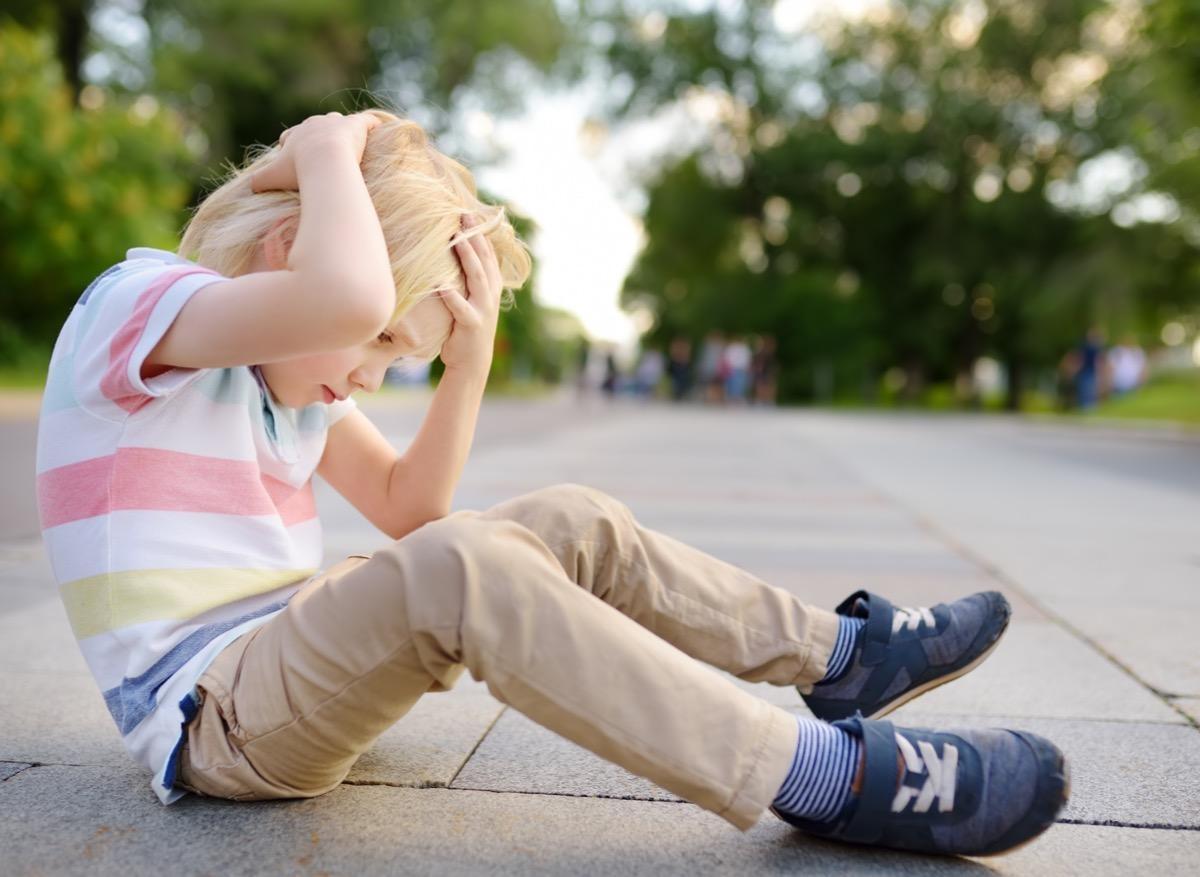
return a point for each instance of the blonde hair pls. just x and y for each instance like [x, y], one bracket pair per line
[420, 196]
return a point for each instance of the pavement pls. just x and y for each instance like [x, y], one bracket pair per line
[1090, 533]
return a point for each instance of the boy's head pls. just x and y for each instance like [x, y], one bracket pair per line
[420, 196]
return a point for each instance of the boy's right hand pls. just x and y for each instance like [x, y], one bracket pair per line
[315, 135]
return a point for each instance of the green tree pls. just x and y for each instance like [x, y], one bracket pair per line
[245, 71]
[907, 177]
[77, 187]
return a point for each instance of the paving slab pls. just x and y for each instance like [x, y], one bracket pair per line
[433, 741]
[25, 575]
[58, 718]
[1041, 670]
[113, 825]
[1128, 773]
[1172, 665]
[1100, 528]
[37, 638]
[520, 755]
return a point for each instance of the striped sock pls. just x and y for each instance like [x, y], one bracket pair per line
[843, 649]
[817, 786]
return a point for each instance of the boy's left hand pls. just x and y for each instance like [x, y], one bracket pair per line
[473, 334]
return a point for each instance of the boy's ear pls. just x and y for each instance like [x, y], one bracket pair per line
[278, 243]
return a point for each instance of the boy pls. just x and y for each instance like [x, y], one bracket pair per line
[188, 404]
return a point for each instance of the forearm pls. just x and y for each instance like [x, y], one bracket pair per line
[423, 481]
[339, 254]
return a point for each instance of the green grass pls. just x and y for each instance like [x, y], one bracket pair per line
[1173, 396]
[23, 377]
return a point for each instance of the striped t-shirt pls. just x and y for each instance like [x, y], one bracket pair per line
[177, 511]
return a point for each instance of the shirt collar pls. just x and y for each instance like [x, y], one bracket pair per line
[157, 254]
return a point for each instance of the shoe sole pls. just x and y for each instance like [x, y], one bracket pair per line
[906, 696]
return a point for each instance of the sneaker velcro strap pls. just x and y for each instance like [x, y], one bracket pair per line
[878, 631]
[873, 805]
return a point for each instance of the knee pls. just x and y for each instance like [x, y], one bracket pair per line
[458, 538]
[461, 567]
[582, 503]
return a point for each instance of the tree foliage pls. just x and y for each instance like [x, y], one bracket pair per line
[901, 190]
[102, 166]
[78, 186]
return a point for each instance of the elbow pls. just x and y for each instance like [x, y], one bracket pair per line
[356, 311]
[414, 521]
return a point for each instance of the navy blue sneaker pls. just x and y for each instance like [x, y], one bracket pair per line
[902, 653]
[963, 792]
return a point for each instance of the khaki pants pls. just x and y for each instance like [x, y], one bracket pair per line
[571, 612]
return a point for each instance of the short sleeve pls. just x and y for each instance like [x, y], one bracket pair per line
[120, 320]
[335, 411]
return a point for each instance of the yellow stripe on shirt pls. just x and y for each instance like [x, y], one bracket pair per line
[110, 601]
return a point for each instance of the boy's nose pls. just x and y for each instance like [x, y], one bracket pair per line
[369, 378]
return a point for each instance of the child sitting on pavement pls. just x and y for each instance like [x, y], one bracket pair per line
[191, 398]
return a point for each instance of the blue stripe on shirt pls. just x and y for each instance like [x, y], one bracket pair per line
[134, 699]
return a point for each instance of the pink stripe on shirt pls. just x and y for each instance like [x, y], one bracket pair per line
[153, 479]
[115, 384]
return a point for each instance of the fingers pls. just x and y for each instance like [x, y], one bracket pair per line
[273, 176]
[472, 267]
[460, 309]
[487, 257]
[481, 284]
[478, 259]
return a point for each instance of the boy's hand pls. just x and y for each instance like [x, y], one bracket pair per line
[311, 137]
[473, 334]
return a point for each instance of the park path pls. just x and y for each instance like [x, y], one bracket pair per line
[1090, 533]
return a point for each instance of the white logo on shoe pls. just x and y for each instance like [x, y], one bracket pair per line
[911, 618]
[939, 782]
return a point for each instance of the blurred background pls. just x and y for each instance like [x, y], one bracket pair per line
[928, 203]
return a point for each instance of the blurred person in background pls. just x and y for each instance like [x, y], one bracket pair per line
[648, 373]
[712, 380]
[1088, 369]
[612, 374]
[1126, 366]
[582, 360]
[1064, 385]
[764, 370]
[735, 360]
[679, 367]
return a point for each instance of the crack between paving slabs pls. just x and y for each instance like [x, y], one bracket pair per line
[921, 715]
[24, 767]
[1104, 823]
[478, 743]
[1117, 823]
[29, 765]
[518, 792]
[434, 784]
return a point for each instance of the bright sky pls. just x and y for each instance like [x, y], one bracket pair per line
[582, 191]
[579, 182]
[586, 240]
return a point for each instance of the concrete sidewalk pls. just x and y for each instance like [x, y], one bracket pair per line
[1091, 536]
